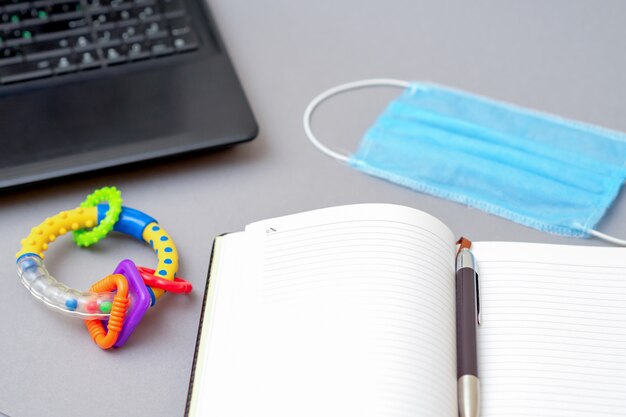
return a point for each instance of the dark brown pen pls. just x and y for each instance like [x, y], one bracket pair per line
[467, 318]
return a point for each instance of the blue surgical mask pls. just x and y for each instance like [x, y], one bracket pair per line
[549, 173]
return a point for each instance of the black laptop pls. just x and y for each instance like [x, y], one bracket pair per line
[89, 84]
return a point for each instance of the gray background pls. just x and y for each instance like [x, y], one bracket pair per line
[564, 57]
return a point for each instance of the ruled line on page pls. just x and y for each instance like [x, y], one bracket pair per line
[433, 238]
[342, 258]
[403, 278]
[278, 241]
[276, 248]
[404, 250]
[397, 286]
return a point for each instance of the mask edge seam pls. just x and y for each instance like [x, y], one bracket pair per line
[472, 203]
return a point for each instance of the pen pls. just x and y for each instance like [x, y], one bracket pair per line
[467, 318]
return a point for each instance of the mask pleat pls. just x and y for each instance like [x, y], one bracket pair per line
[485, 147]
[552, 131]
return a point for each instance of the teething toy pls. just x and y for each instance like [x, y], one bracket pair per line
[136, 288]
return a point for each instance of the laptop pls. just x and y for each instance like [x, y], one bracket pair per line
[91, 84]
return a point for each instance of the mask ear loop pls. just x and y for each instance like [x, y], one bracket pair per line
[607, 238]
[306, 119]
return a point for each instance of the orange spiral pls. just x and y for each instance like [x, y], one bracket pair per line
[111, 283]
[106, 339]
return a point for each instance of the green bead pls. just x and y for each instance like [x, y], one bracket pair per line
[106, 306]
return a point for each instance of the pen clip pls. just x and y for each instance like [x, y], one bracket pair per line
[477, 287]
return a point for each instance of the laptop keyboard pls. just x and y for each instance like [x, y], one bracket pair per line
[57, 37]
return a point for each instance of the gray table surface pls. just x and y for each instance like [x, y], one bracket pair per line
[563, 56]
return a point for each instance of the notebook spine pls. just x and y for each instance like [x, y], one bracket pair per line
[197, 348]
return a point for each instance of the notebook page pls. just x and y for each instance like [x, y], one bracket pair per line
[552, 338]
[342, 311]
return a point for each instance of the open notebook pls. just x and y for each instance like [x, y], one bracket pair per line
[350, 311]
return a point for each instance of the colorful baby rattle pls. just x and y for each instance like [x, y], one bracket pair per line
[120, 300]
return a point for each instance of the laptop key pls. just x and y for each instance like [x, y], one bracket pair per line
[172, 8]
[9, 56]
[81, 43]
[97, 4]
[108, 38]
[96, 7]
[115, 55]
[124, 17]
[24, 71]
[9, 21]
[35, 16]
[103, 20]
[138, 51]
[43, 50]
[60, 29]
[179, 26]
[66, 16]
[64, 64]
[121, 4]
[17, 37]
[162, 47]
[132, 34]
[16, 5]
[148, 14]
[88, 60]
[187, 42]
[57, 10]
[155, 30]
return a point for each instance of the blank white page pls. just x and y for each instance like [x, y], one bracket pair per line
[347, 311]
[552, 338]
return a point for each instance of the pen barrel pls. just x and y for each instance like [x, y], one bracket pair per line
[466, 321]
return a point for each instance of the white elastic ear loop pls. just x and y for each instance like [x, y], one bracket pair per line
[608, 238]
[306, 119]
